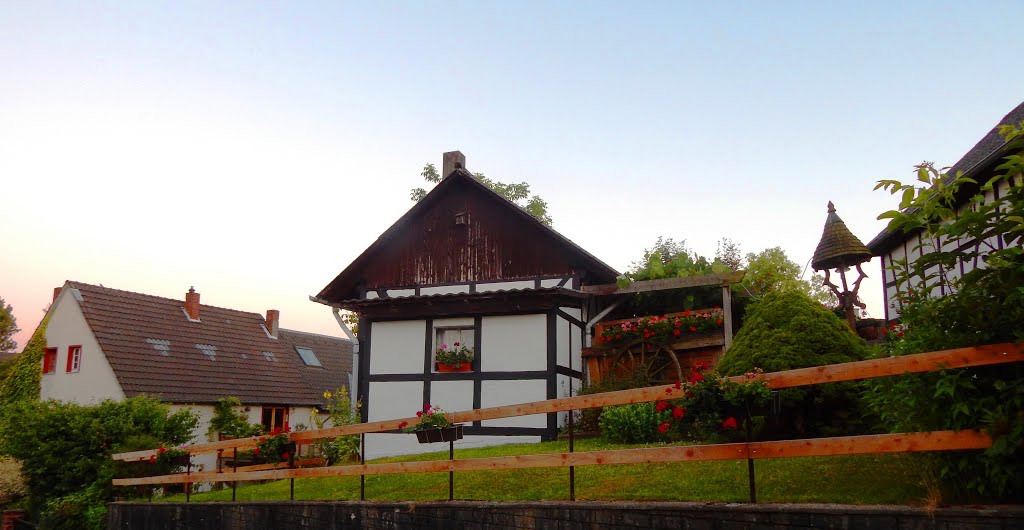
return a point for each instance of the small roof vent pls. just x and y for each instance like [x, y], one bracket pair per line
[208, 350]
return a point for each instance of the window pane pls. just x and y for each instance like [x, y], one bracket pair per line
[308, 356]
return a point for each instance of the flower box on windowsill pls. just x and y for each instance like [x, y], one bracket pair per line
[457, 367]
[446, 434]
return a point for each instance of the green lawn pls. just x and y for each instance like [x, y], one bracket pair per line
[868, 479]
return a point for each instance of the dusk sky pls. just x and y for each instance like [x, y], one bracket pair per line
[253, 150]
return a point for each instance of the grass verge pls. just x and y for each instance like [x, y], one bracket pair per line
[861, 479]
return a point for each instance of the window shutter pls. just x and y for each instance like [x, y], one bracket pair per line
[71, 354]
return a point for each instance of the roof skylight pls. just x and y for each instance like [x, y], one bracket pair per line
[210, 351]
[160, 345]
[308, 356]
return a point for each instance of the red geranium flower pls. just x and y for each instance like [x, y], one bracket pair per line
[284, 455]
[426, 407]
[403, 425]
[729, 423]
[419, 413]
[693, 328]
[696, 377]
[256, 451]
[678, 385]
[668, 390]
[700, 366]
[675, 332]
[661, 405]
[152, 459]
[718, 322]
[678, 412]
[663, 427]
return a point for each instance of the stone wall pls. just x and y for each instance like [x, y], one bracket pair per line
[554, 515]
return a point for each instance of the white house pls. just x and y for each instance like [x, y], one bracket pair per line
[105, 343]
[979, 164]
[464, 264]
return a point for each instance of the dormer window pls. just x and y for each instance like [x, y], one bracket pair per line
[308, 356]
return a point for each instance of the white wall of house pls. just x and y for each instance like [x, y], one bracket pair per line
[513, 343]
[95, 381]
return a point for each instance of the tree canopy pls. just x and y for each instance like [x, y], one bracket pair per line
[517, 193]
[8, 327]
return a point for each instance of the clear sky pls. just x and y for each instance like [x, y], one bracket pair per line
[253, 150]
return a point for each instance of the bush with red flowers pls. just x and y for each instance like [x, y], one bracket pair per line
[274, 447]
[663, 329]
[708, 407]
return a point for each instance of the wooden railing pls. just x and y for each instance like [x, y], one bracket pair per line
[886, 443]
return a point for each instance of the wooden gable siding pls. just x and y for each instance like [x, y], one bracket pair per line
[492, 245]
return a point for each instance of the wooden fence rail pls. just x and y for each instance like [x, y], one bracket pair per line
[847, 445]
[888, 366]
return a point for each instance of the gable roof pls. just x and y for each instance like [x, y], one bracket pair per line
[155, 350]
[549, 243]
[982, 156]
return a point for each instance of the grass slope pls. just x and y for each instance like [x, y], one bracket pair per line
[868, 479]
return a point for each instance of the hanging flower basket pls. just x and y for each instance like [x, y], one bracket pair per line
[455, 367]
[444, 434]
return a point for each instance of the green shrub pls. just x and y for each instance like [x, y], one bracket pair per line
[339, 412]
[635, 423]
[65, 451]
[985, 306]
[783, 330]
[229, 422]
[23, 376]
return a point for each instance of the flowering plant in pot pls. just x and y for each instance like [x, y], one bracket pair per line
[434, 426]
[663, 329]
[276, 446]
[456, 358]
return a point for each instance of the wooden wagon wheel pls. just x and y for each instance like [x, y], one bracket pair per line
[651, 359]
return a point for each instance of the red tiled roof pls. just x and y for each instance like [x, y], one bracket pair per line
[122, 321]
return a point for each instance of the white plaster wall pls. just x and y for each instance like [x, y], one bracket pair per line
[393, 400]
[499, 286]
[371, 295]
[398, 293]
[397, 347]
[96, 380]
[444, 289]
[497, 393]
[553, 282]
[513, 343]
[568, 339]
[452, 396]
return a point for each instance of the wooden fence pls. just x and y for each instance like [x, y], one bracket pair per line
[872, 444]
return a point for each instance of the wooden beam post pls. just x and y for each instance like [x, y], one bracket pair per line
[727, 312]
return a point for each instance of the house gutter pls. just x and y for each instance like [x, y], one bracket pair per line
[596, 319]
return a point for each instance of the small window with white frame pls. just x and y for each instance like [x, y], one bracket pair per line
[74, 359]
[454, 349]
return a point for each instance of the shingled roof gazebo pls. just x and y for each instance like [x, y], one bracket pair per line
[839, 249]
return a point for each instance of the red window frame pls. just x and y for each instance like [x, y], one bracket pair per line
[50, 361]
[74, 358]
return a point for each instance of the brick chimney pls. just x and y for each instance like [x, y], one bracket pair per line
[56, 292]
[192, 303]
[273, 318]
[451, 161]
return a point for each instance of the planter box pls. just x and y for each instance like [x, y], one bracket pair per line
[447, 434]
[183, 460]
[457, 367]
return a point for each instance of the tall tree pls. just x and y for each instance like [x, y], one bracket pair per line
[517, 193]
[8, 327]
[772, 270]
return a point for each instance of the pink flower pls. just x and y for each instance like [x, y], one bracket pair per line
[729, 423]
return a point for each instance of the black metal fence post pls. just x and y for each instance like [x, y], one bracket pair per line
[362, 461]
[188, 473]
[750, 461]
[572, 469]
[291, 465]
[451, 474]
[234, 468]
